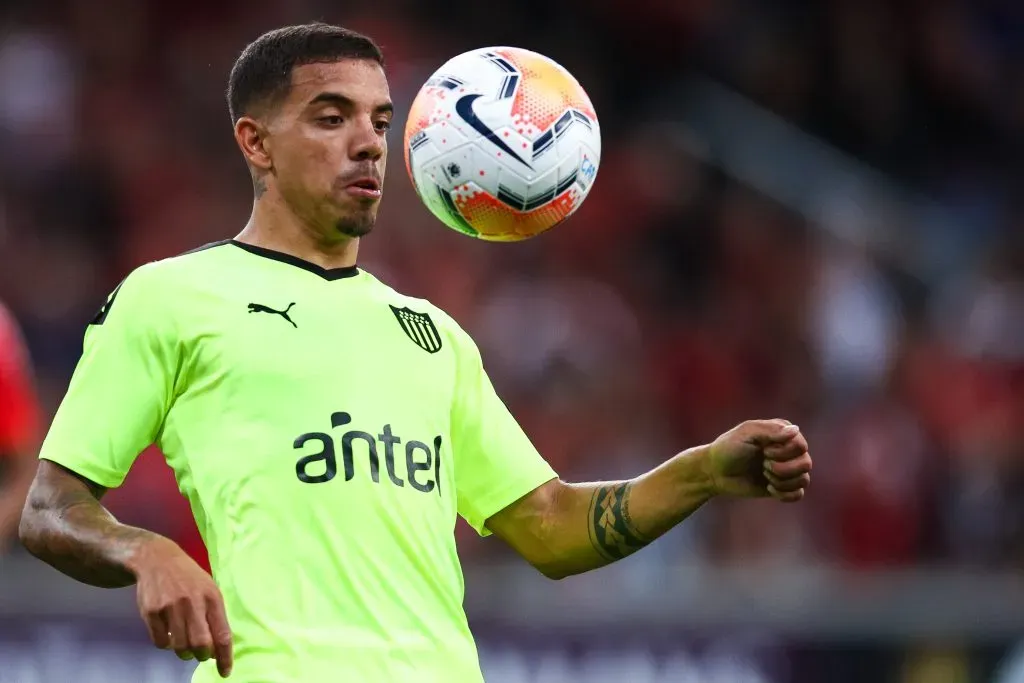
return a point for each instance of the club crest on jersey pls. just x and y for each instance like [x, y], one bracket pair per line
[419, 328]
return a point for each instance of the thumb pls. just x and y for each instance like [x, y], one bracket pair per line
[768, 432]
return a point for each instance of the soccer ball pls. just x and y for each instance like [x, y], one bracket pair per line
[502, 144]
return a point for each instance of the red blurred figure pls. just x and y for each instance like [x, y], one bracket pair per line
[19, 425]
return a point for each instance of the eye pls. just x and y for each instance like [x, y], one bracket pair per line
[332, 120]
[382, 126]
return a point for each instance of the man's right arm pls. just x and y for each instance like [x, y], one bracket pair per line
[64, 525]
[116, 403]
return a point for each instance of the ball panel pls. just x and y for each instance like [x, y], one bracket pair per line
[424, 107]
[495, 221]
[441, 203]
[546, 90]
[588, 167]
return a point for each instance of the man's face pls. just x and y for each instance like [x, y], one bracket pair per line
[327, 142]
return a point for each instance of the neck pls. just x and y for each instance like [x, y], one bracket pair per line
[274, 226]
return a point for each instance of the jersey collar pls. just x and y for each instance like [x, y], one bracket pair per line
[325, 273]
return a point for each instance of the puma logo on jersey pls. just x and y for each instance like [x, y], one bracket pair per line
[260, 308]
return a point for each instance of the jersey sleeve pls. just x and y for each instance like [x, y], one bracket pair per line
[495, 462]
[19, 409]
[122, 387]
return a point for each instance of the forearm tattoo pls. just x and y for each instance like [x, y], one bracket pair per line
[67, 527]
[612, 531]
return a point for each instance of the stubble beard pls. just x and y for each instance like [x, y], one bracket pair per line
[356, 225]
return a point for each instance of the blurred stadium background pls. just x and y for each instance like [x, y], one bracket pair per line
[808, 209]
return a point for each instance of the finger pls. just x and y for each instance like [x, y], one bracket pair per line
[788, 485]
[156, 624]
[220, 631]
[768, 432]
[200, 641]
[787, 469]
[791, 497]
[177, 631]
[793, 448]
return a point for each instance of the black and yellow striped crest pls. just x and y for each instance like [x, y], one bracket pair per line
[420, 328]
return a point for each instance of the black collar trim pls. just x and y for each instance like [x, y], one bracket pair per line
[325, 273]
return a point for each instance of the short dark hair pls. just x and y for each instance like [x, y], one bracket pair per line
[262, 74]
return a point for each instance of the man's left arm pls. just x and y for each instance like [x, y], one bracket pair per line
[564, 529]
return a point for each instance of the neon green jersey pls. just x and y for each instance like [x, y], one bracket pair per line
[326, 431]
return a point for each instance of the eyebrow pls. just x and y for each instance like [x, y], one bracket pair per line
[348, 103]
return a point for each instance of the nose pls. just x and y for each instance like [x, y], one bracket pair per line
[367, 143]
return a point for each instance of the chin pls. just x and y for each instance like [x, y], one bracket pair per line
[356, 226]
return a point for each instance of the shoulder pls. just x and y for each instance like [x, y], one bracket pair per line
[153, 289]
[164, 279]
[191, 263]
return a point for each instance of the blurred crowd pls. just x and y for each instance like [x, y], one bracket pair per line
[676, 303]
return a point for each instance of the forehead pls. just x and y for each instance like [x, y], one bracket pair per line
[361, 80]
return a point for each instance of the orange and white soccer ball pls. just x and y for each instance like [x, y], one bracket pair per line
[502, 143]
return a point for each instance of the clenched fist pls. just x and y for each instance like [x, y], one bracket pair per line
[760, 458]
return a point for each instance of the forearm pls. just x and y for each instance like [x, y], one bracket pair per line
[564, 529]
[594, 524]
[74, 533]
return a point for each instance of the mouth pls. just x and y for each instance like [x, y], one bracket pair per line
[366, 188]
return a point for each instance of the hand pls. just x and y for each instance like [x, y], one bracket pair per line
[182, 606]
[760, 458]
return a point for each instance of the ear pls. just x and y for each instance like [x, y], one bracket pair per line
[252, 139]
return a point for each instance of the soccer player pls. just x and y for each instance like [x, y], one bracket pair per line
[326, 429]
[19, 422]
